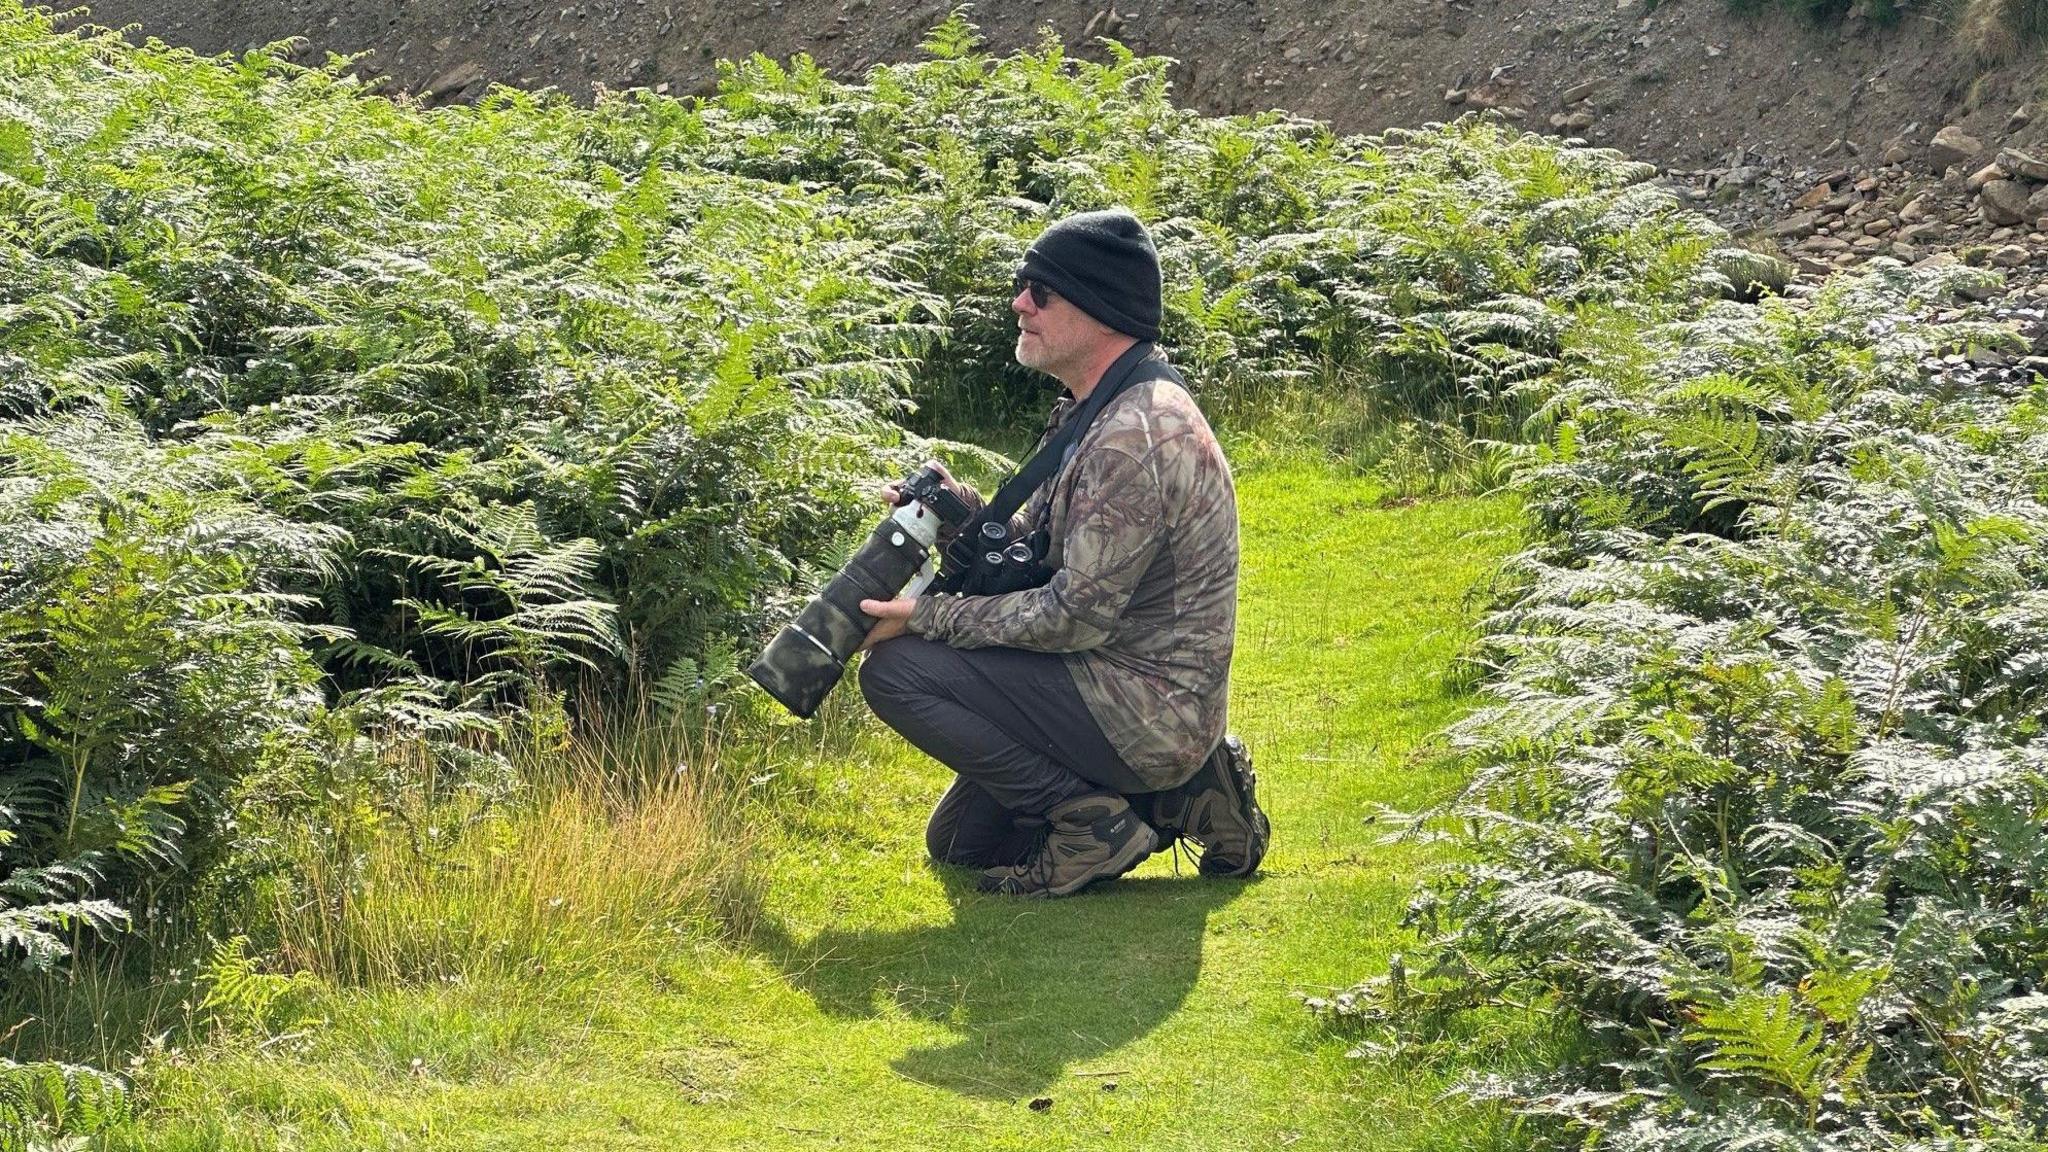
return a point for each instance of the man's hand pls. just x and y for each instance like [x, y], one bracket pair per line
[892, 493]
[892, 616]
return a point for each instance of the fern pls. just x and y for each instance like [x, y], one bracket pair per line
[688, 685]
[50, 1104]
[239, 995]
[953, 38]
[1787, 568]
[34, 933]
[1769, 1038]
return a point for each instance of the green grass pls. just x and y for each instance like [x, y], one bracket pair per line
[879, 1003]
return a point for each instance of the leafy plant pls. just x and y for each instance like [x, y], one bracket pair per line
[239, 994]
[49, 1104]
[1759, 802]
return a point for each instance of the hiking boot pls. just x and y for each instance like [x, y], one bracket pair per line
[1218, 811]
[1091, 838]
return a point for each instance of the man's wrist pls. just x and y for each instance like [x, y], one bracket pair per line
[924, 615]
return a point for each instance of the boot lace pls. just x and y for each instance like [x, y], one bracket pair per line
[1037, 868]
[1184, 844]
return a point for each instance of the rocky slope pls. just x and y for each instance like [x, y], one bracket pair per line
[1950, 197]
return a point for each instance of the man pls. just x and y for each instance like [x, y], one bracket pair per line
[1059, 705]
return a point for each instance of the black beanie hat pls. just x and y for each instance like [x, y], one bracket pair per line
[1105, 264]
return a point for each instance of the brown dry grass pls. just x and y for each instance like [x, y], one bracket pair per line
[627, 837]
[2001, 31]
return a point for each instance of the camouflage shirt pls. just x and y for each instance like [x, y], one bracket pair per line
[1143, 601]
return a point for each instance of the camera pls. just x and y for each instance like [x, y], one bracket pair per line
[805, 659]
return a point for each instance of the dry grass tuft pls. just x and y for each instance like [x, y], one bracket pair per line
[2001, 31]
[627, 838]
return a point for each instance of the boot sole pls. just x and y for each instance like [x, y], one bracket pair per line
[1245, 783]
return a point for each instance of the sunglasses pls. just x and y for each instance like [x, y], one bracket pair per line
[1040, 294]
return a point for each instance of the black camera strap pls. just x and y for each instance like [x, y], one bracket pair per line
[1135, 366]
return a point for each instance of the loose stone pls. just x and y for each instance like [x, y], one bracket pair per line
[1952, 145]
[2004, 201]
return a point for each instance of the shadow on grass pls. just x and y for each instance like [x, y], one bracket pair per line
[1035, 989]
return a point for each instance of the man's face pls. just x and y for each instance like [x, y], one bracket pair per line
[1055, 337]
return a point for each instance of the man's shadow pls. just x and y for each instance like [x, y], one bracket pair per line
[1032, 986]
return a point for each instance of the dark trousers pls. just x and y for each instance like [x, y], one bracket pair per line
[1010, 722]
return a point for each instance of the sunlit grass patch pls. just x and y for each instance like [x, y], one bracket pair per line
[627, 838]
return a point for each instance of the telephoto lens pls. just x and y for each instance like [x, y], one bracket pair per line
[805, 659]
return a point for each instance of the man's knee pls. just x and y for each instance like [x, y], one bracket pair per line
[886, 673]
[968, 827]
[942, 836]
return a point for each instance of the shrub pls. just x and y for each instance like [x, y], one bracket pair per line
[150, 658]
[1290, 255]
[333, 430]
[1760, 807]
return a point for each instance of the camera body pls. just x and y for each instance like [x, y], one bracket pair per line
[808, 656]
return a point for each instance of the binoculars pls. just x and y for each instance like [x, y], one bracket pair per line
[805, 659]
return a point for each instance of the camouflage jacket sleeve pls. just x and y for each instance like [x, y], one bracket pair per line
[1110, 538]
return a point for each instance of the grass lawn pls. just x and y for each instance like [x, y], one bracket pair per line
[880, 1004]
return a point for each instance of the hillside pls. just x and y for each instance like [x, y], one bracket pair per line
[1745, 114]
[1684, 83]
